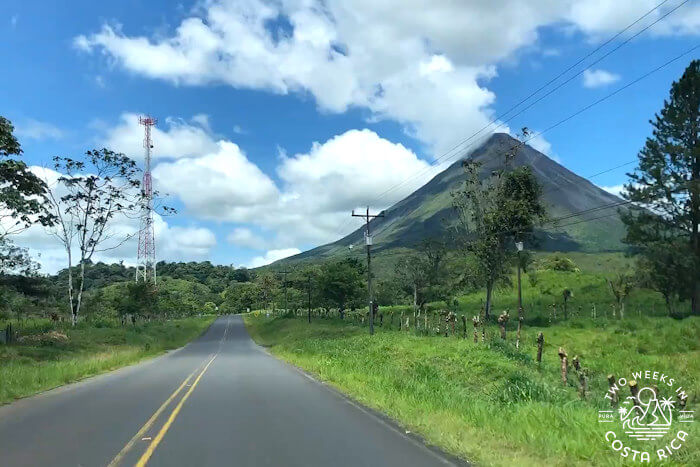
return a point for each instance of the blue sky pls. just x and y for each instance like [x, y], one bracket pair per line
[271, 112]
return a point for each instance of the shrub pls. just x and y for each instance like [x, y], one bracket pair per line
[557, 262]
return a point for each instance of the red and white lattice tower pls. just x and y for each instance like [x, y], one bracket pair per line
[146, 267]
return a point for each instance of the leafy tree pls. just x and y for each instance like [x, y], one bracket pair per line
[621, 286]
[493, 213]
[22, 193]
[341, 283]
[667, 182]
[240, 297]
[663, 268]
[142, 298]
[423, 275]
[85, 205]
[557, 262]
[14, 259]
[306, 280]
[268, 287]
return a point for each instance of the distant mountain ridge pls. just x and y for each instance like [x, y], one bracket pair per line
[427, 211]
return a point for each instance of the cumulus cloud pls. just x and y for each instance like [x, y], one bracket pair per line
[174, 243]
[34, 129]
[220, 185]
[174, 138]
[598, 78]
[423, 63]
[244, 237]
[614, 189]
[272, 256]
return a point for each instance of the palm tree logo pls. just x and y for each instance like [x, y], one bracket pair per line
[647, 419]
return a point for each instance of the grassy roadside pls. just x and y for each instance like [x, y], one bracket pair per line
[492, 404]
[48, 356]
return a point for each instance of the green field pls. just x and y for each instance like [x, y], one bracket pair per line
[50, 354]
[488, 402]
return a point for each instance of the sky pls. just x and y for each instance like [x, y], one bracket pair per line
[277, 118]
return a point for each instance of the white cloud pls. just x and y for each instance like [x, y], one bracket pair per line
[222, 184]
[172, 138]
[245, 237]
[34, 129]
[598, 78]
[423, 63]
[272, 256]
[173, 243]
[614, 189]
[317, 190]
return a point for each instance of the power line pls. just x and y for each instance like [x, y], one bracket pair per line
[573, 115]
[551, 127]
[496, 119]
[608, 96]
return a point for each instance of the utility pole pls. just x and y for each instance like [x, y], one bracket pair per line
[284, 284]
[519, 246]
[368, 242]
[309, 290]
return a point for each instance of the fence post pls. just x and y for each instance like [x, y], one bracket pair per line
[564, 365]
[540, 344]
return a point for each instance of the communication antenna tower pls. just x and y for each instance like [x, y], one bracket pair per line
[146, 267]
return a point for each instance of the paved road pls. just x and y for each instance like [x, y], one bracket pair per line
[221, 400]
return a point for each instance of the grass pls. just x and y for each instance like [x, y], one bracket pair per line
[51, 355]
[488, 402]
[589, 290]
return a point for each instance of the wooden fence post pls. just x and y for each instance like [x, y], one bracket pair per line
[475, 321]
[564, 365]
[540, 344]
[613, 394]
[634, 390]
[464, 323]
[502, 320]
[582, 378]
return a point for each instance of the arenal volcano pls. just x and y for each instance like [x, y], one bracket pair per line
[428, 211]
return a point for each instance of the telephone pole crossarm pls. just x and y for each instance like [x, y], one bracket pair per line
[368, 242]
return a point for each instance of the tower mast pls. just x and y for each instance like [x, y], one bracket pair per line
[146, 265]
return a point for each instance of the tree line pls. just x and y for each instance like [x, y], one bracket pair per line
[79, 203]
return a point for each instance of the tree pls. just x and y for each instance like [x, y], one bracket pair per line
[22, 202]
[22, 193]
[621, 286]
[306, 280]
[14, 259]
[85, 205]
[667, 183]
[341, 283]
[423, 275]
[663, 268]
[240, 297]
[268, 286]
[141, 299]
[492, 214]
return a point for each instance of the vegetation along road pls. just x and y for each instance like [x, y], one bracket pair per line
[218, 400]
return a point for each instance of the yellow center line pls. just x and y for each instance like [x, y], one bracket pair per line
[117, 459]
[159, 437]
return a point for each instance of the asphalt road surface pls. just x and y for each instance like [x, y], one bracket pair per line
[221, 400]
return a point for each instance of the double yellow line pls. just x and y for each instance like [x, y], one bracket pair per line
[143, 460]
[159, 437]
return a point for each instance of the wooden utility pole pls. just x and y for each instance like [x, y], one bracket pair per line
[309, 290]
[368, 243]
[284, 284]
